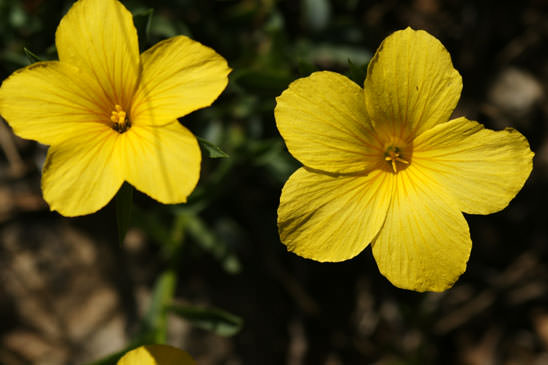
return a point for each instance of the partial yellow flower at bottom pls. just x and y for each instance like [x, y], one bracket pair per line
[156, 355]
[110, 114]
[385, 165]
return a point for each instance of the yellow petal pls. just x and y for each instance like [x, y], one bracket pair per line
[424, 243]
[411, 84]
[156, 355]
[332, 218]
[483, 169]
[99, 37]
[81, 175]
[179, 76]
[323, 121]
[50, 102]
[162, 162]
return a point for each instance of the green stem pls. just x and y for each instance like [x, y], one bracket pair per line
[124, 200]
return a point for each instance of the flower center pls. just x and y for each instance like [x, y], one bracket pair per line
[393, 156]
[120, 120]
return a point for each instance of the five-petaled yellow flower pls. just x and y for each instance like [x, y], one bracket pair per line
[110, 114]
[385, 165]
[156, 355]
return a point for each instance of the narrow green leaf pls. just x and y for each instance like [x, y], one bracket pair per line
[124, 199]
[212, 319]
[31, 56]
[272, 155]
[154, 326]
[212, 243]
[212, 150]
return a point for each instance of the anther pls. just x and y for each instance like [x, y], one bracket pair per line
[120, 121]
[393, 155]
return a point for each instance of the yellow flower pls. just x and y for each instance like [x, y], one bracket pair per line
[385, 165]
[156, 355]
[110, 114]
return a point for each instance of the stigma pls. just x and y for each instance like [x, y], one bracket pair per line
[392, 156]
[120, 120]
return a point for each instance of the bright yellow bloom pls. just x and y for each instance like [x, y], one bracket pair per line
[110, 114]
[156, 355]
[385, 165]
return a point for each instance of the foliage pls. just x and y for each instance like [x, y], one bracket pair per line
[225, 237]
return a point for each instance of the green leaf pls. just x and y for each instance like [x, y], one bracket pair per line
[124, 199]
[212, 319]
[272, 155]
[212, 150]
[209, 241]
[31, 56]
[154, 325]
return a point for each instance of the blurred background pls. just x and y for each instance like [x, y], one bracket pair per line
[211, 276]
